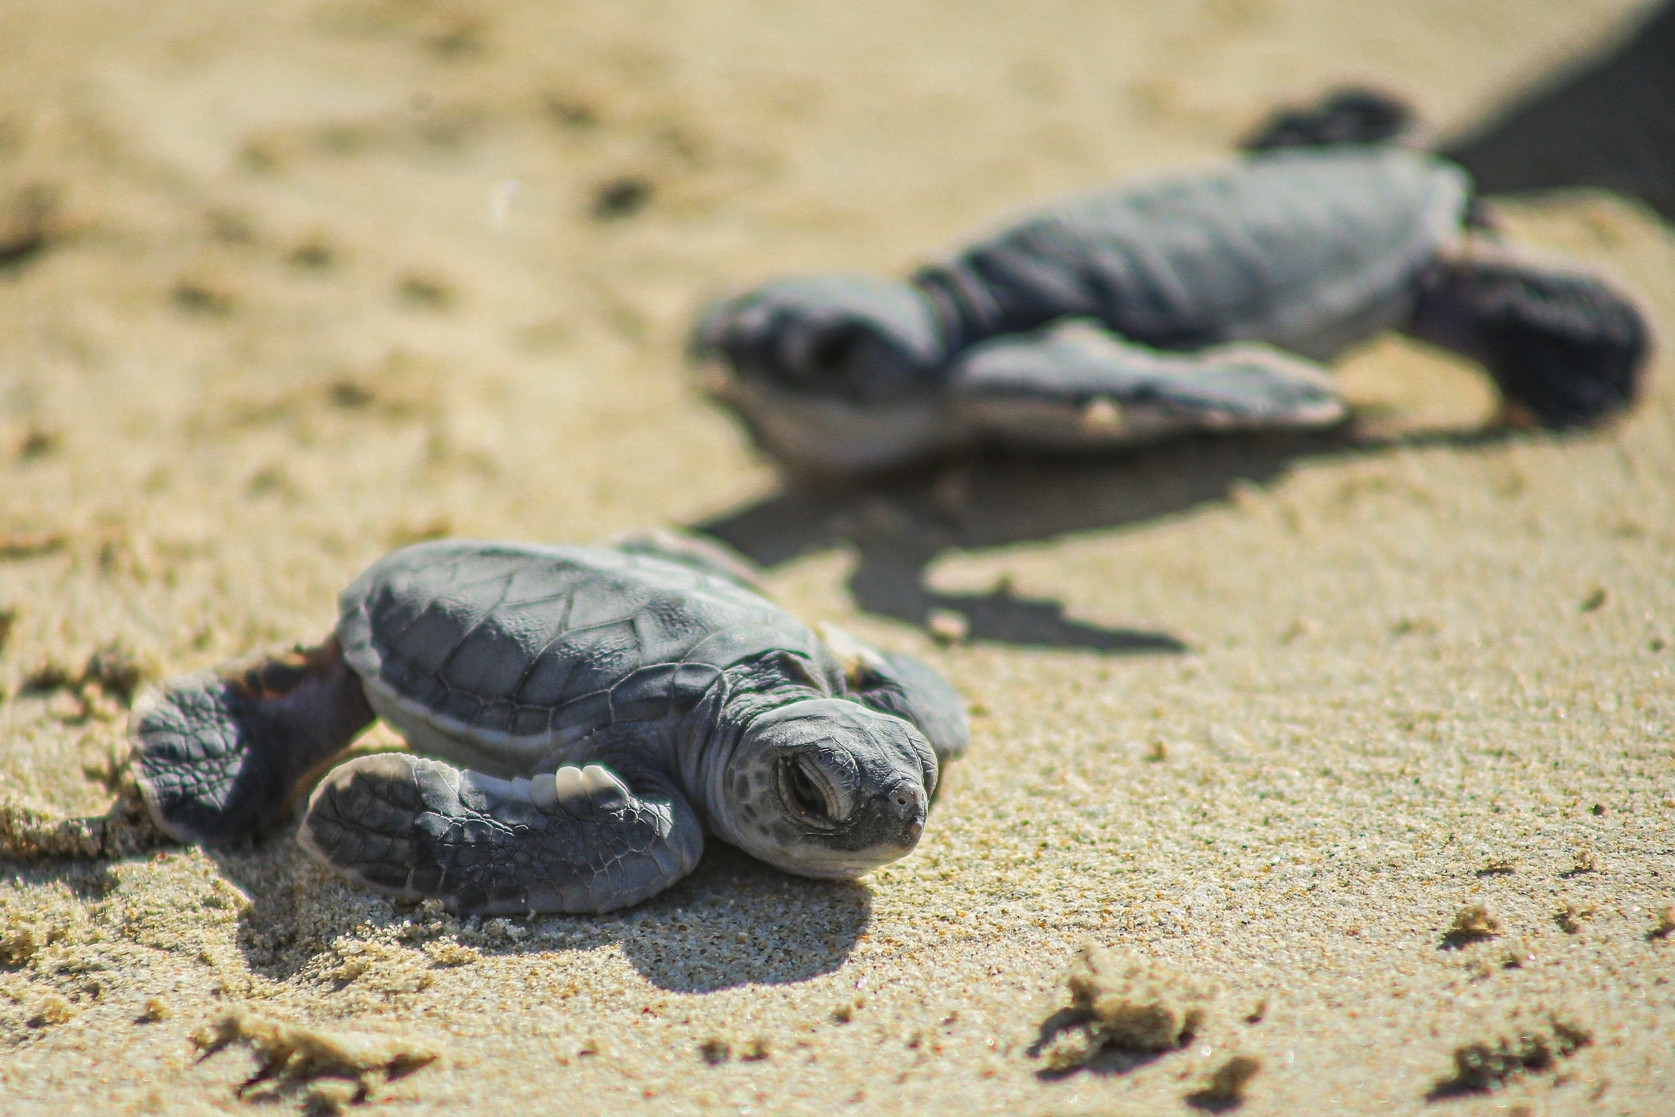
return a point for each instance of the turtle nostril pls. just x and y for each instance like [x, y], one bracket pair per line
[907, 801]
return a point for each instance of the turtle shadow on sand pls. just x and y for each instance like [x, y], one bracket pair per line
[900, 524]
[1606, 122]
[733, 921]
[87, 881]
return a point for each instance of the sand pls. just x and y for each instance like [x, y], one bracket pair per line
[314, 279]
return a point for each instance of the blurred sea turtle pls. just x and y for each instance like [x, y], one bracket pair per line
[1202, 302]
[579, 719]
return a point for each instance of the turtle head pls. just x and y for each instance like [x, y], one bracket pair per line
[1565, 350]
[825, 787]
[852, 337]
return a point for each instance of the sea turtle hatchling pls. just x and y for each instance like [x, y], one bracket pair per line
[579, 719]
[1195, 303]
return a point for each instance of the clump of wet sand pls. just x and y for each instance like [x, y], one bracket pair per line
[1126, 1002]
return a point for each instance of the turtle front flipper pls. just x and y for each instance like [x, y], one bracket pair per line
[1077, 386]
[899, 684]
[218, 756]
[575, 840]
[912, 690]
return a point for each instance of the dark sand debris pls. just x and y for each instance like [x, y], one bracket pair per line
[27, 223]
[19, 942]
[202, 296]
[1480, 1067]
[447, 954]
[1226, 1088]
[425, 291]
[620, 197]
[111, 674]
[28, 544]
[1584, 862]
[948, 627]
[1569, 918]
[52, 1011]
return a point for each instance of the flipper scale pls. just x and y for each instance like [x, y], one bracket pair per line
[485, 846]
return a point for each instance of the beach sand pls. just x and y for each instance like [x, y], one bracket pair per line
[288, 284]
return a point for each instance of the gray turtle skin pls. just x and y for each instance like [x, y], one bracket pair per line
[1202, 302]
[579, 719]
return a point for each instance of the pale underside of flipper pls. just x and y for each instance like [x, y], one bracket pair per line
[1078, 386]
[579, 840]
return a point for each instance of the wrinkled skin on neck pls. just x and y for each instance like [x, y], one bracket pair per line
[821, 787]
[854, 337]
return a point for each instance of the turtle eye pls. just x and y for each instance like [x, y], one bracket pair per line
[804, 792]
[824, 352]
[830, 353]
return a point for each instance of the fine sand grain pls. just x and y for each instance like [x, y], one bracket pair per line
[1372, 733]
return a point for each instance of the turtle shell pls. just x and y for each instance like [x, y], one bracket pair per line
[1310, 251]
[499, 656]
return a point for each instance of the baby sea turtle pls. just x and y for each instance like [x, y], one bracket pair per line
[579, 719]
[1202, 302]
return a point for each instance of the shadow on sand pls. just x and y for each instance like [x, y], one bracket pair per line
[87, 881]
[898, 526]
[734, 921]
[1608, 122]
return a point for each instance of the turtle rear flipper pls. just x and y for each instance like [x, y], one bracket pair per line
[1078, 386]
[1347, 116]
[575, 840]
[217, 757]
